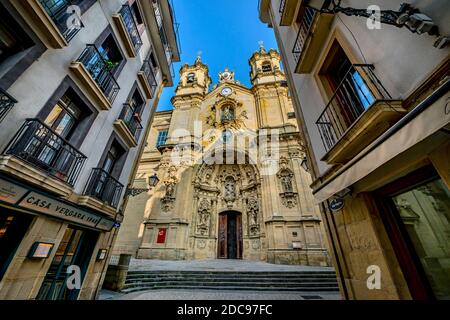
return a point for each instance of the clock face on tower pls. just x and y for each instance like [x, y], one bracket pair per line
[226, 91]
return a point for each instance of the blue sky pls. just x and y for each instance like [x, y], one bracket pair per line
[227, 33]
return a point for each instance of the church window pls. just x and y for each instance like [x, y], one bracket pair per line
[291, 115]
[162, 137]
[266, 67]
[191, 77]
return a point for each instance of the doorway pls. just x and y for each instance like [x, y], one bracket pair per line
[76, 248]
[230, 235]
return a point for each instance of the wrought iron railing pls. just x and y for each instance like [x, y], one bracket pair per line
[131, 25]
[39, 145]
[131, 120]
[65, 19]
[282, 6]
[357, 91]
[102, 186]
[100, 68]
[304, 31]
[163, 35]
[149, 73]
[6, 103]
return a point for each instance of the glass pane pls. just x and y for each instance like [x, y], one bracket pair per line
[425, 213]
[53, 116]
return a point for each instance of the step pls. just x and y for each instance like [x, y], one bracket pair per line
[253, 289]
[233, 283]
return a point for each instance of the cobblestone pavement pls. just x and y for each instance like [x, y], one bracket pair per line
[216, 265]
[214, 295]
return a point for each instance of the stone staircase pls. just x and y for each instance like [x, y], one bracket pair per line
[301, 281]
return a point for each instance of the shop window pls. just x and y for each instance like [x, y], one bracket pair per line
[75, 248]
[13, 226]
[416, 213]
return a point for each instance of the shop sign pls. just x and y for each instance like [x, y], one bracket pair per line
[10, 192]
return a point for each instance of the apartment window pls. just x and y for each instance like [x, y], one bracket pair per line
[416, 212]
[136, 101]
[291, 115]
[162, 137]
[153, 61]
[137, 13]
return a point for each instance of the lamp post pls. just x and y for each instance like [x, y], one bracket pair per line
[407, 16]
[304, 164]
[152, 182]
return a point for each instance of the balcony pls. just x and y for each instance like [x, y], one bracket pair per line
[95, 72]
[358, 112]
[147, 78]
[37, 152]
[102, 192]
[313, 31]
[129, 126]
[6, 103]
[128, 30]
[50, 19]
[287, 11]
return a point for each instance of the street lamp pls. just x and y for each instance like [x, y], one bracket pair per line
[152, 182]
[304, 163]
[407, 16]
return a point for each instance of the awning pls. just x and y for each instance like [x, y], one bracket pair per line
[428, 117]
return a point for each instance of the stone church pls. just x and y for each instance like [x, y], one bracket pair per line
[233, 179]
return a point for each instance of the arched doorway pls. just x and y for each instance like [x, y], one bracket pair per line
[230, 235]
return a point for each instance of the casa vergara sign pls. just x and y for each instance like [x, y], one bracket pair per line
[46, 205]
[24, 198]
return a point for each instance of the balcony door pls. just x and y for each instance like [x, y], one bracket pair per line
[350, 96]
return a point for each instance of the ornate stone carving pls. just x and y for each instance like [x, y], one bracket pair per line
[289, 199]
[204, 217]
[167, 202]
[252, 213]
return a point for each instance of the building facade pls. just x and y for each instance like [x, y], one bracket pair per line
[79, 84]
[222, 194]
[372, 101]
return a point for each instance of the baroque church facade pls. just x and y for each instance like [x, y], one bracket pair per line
[232, 176]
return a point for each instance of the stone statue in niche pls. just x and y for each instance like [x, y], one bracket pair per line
[252, 212]
[250, 174]
[204, 217]
[286, 182]
[230, 188]
[208, 174]
[227, 114]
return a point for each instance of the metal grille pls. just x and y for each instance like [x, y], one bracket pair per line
[64, 18]
[42, 147]
[131, 120]
[358, 90]
[104, 187]
[131, 26]
[101, 71]
[6, 103]
[304, 31]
